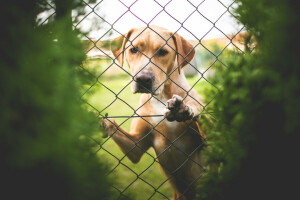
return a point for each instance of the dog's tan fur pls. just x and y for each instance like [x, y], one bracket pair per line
[175, 143]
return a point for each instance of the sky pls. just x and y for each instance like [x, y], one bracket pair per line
[169, 15]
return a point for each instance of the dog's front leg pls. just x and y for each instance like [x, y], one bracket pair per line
[132, 144]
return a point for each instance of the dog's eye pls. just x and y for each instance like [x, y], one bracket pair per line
[134, 50]
[162, 52]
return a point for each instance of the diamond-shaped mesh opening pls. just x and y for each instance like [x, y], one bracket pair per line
[93, 96]
[129, 177]
[210, 27]
[139, 184]
[198, 31]
[174, 8]
[146, 162]
[121, 26]
[108, 149]
[230, 51]
[111, 5]
[225, 25]
[159, 182]
[108, 78]
[213, 45]
[85, 22]
[145, 15]
[171, 21]
[204, 9]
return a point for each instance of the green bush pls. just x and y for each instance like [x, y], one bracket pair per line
[45, 146]
[253, 147]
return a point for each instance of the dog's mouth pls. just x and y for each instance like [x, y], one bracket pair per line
[143, 88]
[138, 88]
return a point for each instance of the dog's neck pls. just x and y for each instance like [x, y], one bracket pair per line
[174, 85]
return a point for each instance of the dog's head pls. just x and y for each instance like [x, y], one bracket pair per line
[151, 55]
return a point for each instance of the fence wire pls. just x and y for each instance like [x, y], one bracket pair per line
[155, 191]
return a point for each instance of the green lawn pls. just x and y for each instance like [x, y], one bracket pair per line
[112, 101]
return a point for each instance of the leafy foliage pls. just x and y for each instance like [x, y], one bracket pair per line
[252, 151]
[45, 146]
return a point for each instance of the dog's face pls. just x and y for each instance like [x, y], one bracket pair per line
[151, 56]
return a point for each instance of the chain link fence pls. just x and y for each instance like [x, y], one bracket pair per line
[110, 96]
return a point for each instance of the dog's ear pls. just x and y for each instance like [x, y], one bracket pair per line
[118, 45]
[185, 51]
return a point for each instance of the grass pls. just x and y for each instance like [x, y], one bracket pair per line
[113, 96]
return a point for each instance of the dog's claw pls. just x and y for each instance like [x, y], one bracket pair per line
[178, 110]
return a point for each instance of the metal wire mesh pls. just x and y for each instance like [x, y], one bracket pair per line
[154, 191]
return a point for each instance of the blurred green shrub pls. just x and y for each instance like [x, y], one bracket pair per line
[213, 48]
[253, 146]
[45, 146]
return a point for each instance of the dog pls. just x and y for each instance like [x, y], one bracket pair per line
[155, 57]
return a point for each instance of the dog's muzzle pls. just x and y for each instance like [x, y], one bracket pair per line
[144, 82]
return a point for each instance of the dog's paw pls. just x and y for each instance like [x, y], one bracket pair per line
[177, 110]
[108, 125]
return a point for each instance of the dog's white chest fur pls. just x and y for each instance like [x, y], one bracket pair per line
[160, 109]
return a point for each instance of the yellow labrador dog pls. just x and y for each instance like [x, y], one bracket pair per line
[153, 56]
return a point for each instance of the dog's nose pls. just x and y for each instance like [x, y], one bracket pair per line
[144, 78]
